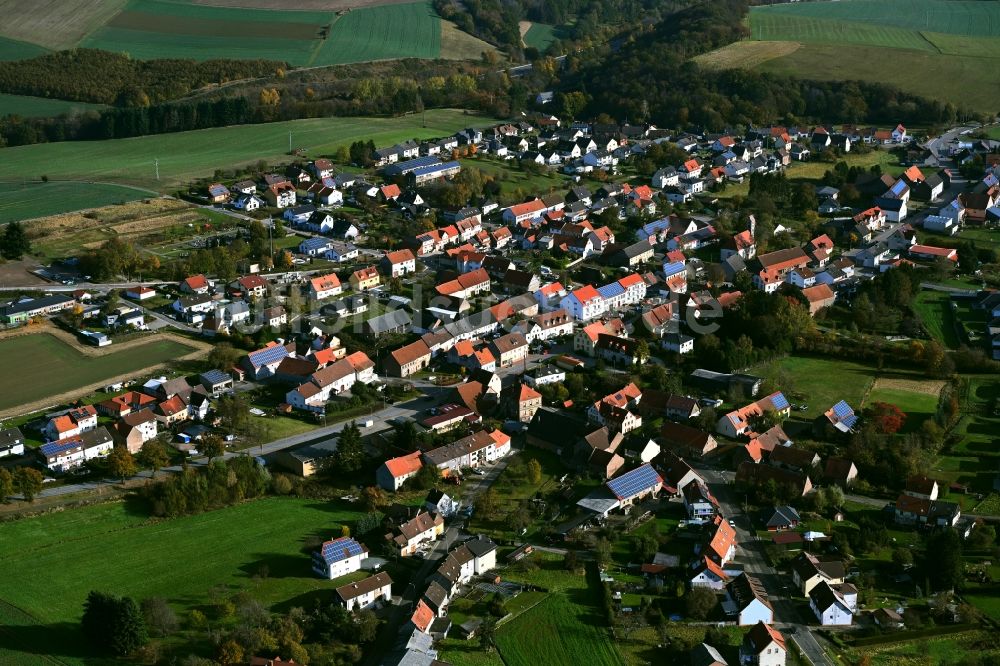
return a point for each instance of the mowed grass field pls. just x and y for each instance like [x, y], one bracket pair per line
[40, 107]
[21, 201]
[941, 49]
[185, 156]
[41, 365]
[109, 548]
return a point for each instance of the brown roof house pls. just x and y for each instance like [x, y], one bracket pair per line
[408, 360]
[425, 527]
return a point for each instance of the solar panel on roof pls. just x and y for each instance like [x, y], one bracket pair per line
[673, 268]
[609, 290]
[850, 420]
[268, 355]
[631, 483]
[842, 410]
[779, 401]
[341, 549]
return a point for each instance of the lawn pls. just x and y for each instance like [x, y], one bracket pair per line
[107, 547]
[566, 628]
[540, 36]
[822, 383]
[918, 406]
[20, 201]
[55, 367]
[515, 183]
[410, 30]
[185, 156]
[936, 312]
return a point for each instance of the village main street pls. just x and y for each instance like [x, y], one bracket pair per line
[750, 557]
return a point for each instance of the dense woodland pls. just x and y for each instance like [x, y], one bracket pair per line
[103, 77]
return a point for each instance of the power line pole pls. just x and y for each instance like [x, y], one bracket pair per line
[289, 141]
[156, 165]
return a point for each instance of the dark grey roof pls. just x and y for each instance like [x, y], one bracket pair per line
[389, 321]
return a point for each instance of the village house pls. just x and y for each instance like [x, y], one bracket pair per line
[11, 442]
[408, 360]
[65, 454]
[635, 485]
[809, 570]
[834, 605]
[365, 278]
[747, 600]
[738, 422]
[425, 527]
[763, 645]
[394, 472]
[339, 557]
[75, 421]
[398, 263]
[366, 593]
[325, 286]
[477, 449]
[135, 429]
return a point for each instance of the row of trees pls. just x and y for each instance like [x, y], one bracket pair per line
[218, 484]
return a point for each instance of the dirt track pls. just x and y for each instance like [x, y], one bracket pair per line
[198, 349]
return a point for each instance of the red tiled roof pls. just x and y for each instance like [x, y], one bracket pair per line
[404, 465]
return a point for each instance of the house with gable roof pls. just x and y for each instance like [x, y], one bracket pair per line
[394, 472]
[747, 599]
[834, 605]
[737, 422]
[635, 485]
[339, 557]
[763, 645]
[366, 593]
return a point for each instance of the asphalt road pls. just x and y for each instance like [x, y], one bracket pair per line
[390, 633]
[380, 417]
[750, 555]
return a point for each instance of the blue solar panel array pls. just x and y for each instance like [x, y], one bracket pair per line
[55, 448]
[673, 268]
[313, 244]
[842, 410]
[632, 483]
[611, 290]
[268, 355]
[780, 401]
[341, 549]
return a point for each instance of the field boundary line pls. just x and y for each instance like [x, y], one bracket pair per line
[30, 619]
[933, 45]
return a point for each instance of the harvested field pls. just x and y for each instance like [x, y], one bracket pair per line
[925, 386]
[745, 55]
[55, 24]
[459, 45]
[181, 25]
